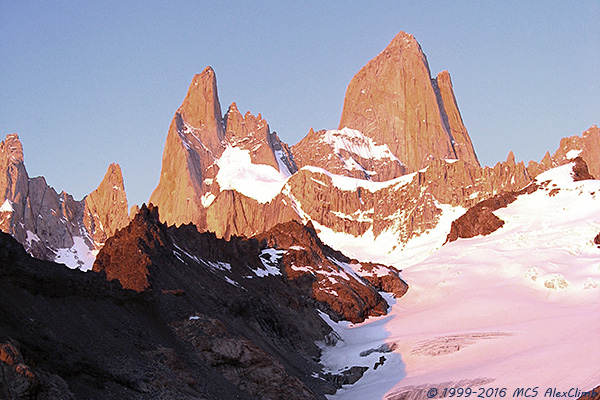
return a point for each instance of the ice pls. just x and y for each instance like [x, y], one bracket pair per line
[516, 308]
[78, 256]
[7, 206]
[270, 260]
[258, 181]
[30, 238]
[571, 154]
[347, 183]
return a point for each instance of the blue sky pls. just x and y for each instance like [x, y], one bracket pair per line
[90, 83]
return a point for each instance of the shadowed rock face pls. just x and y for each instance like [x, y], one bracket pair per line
[44, 220]
[20, 381]
[346, 288]
[197, 329]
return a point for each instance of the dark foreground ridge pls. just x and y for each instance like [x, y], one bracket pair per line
[199, 318]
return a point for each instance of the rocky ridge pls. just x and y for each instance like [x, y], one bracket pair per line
[231, 175]
[401, 141]
[244, 289]
[480, 219]
[66, 334]
[198, 137]
[53, 225]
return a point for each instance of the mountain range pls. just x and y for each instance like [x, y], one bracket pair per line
[263, 270]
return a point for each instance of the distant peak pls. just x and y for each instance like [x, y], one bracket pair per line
[201, 107]
[13, 146]
[444, 77]
[404, 40]
[207, 71]
[510, 159]
[114, 176]
[404, 37]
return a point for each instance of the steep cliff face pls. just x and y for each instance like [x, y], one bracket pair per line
[201, 144]
[192, 334]
[394, 101]
[106, 207]
[193, 144]
[348, 288]
[54, 226]
[463, 147]
[259, 294]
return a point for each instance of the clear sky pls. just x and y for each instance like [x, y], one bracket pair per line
[88, 83]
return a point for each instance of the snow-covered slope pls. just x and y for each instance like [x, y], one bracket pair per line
[518, 308]
[258, 181]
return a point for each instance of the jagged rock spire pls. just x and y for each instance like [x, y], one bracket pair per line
[394, 101]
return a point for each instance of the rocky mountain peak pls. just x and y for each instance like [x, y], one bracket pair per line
[252, 133]
[200, 144]
[106, 208]
[12, 147]
[201, 107]
[510, 159]
[461, 142]
[54, 226]
[394, 101]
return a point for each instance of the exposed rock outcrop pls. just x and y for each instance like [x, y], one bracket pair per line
[19, 381]
[205, 327]
[587, 146]
[349, 288]
[197, 138]
[252, 134]
[580, 170]
[480, 219]
[45, 221]
[394, 101]
[233, 214]
[106, 207]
